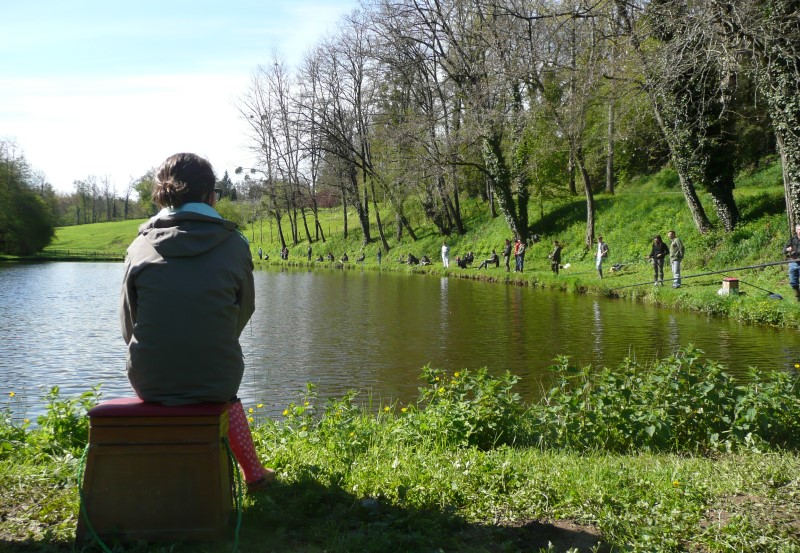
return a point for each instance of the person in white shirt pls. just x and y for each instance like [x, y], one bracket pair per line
[445, 255]
[602, 253]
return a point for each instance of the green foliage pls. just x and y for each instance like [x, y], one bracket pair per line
[26, 221]
[62, 431]
[144, 189]
[64, 428]
[432, 476]
[13, 431]
[679, 404]
[233, 211]
[665, 179]
[466, 409]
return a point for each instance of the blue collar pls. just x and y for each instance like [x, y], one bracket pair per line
[193, 207]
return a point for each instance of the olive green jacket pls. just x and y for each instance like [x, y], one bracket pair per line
[676, 249]
[187, 294]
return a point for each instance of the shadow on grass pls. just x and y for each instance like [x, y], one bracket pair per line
[559, 220]
[761, 205]
[308, 516]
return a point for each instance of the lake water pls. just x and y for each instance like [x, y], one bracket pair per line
[354, 329]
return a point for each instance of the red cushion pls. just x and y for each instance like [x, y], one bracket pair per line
[135, 407]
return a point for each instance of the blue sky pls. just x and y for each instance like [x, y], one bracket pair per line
[112, 88]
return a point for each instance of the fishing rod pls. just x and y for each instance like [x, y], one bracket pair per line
[770, 264]
[613, 268]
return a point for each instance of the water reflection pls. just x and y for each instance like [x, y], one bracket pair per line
[359, 330]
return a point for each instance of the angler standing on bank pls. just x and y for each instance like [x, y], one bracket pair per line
[792, 251]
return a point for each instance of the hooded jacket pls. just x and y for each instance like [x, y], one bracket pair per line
[187, 294]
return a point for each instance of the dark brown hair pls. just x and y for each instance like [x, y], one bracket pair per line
[183, 178]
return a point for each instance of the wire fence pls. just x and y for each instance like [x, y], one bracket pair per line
[81, 255]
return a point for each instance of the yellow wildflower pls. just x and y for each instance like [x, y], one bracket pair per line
[676, 484]
[285, 412]
[11, 394]
[404, 409]
[260, 405]
[386, 409]
[457, 375]
[250, 420]
[26, 421]
[306, 404]
[250, 410]
[441, 390]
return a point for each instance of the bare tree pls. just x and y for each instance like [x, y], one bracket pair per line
[344, 112]
[257, 109]
[312, 135]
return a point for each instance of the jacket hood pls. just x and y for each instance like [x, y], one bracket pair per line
[186, 234]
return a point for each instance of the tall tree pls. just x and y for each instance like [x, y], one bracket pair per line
[768, 31]
[26, 222]
[669, 110]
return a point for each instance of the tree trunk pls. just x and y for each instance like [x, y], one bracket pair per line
[610, 148]
[490, 199]
[362, 209]
[344, 213]
[571, 170]
[726, 208]
[683, 168]
[407, 225]
[398, 221]
[587, 187]
[456, 205]
[701, 222]
[791, 176]
[277, 215]
[378, 216]
[305, 223]
[292, 225]
[500, 181]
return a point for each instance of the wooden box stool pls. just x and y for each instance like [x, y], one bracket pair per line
[730, 285]
[157, 473]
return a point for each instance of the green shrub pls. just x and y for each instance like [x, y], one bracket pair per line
[679, 404]
[64, 428]
[12, 430]
[467, 408]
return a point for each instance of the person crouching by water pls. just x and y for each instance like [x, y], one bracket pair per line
[187, 294]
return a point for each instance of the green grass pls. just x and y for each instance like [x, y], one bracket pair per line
[467, 467]
[112, 238]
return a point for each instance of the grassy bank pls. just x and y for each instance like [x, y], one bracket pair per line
[628, 220]
[674, 456]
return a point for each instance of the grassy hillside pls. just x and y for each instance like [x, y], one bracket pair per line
[112, 237]
[628, 220]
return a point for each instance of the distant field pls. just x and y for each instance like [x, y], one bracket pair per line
[109, 238]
